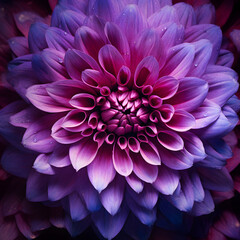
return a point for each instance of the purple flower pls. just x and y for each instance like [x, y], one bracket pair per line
[123, 104]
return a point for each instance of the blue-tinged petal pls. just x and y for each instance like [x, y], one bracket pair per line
[225, 58]
[17, 162]
[49, 65]
[186, 14]
[59, 39]
[109, 226]
[205, 14]
[36, 37]
[210, 32]
[41, 165]
[112, 196]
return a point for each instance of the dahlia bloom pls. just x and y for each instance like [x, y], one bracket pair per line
[124, 107]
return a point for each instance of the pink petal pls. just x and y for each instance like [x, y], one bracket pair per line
[83, 101]
[110, 59]
[19, 46]
[170, 140]
[101, 171]
[143, 170]
[181, 121]
[117, 38]
[39, 97]
[83, 153]
[121, 161]
[150, 153]
[24, 227]
[77, 61]
[146, 72]
[88, 41]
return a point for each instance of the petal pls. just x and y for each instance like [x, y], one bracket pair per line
[39, 97]
[36, 37]
[167, 180]
[17, 162]
[117, 38]
[59, 187]
[77, 61]
[38, 136]
[101, 171]
[36, 189]
[147, 198]
[204, 207]
[149, 44]
[205, 14]
[207, 113]
[70, 21]
[146, 72]
[146, 172]
[109, 226]
[76, 207]
[222, 83]
[110, 59]
[83, 101]
[112, 196]
[121, 161]
[198, 190]
[131, 22]
[135, 183]
[186, 14]
[24, 20]
[24, 227]
[185, 199]
[88, 41]
[41, 165]
[203, 51]
[83, 153]
[60, 156]
[225, 58]
[176, 160]
[216, 179]
[19, 46]
[150, 153]
[58, 39]
[190, 95]
[206, 31]
[179, 61]
[181, 121]
[166, 14]
[49, 65]
[170, 140]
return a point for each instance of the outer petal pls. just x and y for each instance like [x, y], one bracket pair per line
[101, 171]
[179, 61]
[83, 153]
[167, 181]
[112, 196]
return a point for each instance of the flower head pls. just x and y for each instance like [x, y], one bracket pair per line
[123, 104]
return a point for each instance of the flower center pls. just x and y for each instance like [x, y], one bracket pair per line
[125, 111]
